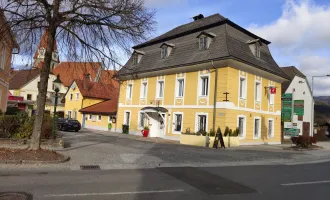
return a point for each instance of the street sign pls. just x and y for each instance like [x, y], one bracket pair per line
[298, 107]
[286, 107]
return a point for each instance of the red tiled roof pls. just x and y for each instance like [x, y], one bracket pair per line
[70, 71]
[98, 90]
[43, 43]
[107, 77]
[22, 77]
[107, 107]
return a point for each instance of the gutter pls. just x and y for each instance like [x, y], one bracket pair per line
[215, 95]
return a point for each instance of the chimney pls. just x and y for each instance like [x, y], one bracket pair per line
[197, 17]
[86, 81]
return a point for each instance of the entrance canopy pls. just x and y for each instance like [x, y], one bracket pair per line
[154, 109]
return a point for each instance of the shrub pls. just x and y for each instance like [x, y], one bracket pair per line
[303, 141]
[46, 129]
[9, 125]
[226, 131]
[212, 133]
[230, 132]
[235, 133]
[146, 128]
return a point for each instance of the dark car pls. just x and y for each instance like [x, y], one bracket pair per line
[68, 125]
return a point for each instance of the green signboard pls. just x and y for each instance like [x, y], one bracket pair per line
[291, 132]
[298, 107]
[286, 107]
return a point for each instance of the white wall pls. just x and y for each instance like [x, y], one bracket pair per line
[302, 92]
[32, 87]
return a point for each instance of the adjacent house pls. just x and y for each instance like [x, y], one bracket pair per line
[8, 46]
[93, 104]
[299, 114]
[199, 76]
[25, 82]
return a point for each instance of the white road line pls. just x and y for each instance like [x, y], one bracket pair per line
[305, 183]
[113, 193]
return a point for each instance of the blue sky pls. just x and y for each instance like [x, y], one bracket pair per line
[298, 29]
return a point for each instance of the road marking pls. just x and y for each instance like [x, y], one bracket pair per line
[305, 183]
[113, 193]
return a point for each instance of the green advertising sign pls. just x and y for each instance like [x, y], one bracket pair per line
[291, 132]
[286, 107]
[298, 107]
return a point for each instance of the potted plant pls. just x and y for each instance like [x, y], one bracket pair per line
[145, 131]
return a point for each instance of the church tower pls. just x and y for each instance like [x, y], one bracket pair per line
[39, 55]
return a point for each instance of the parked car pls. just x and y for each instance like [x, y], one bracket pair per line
[68, 124]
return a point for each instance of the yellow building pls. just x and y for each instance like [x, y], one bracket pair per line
[199, 76]
[93, 104]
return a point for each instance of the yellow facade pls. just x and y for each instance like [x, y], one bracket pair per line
[192, 103]
[92, 121]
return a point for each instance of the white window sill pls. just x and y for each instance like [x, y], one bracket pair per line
[179, 97]
[256, 138]
[128, 98]
[142, 98]
[241, 98]
[256, 101]
[203, 96]
[176, 132]
[159, 97]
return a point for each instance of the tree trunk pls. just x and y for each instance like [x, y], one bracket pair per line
[42, 90]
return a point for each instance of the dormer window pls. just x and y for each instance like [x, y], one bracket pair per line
[255, 47]
[164, 52]
[205, 39]
[166, 49]
[135, 59]
[203, 43]
[137, 55]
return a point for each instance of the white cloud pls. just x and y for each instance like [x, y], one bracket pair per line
[302, 24]
[301, 35]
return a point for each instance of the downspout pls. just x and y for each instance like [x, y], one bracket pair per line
[215, 95]
[207, 142]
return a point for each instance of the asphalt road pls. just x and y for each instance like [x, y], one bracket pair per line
[245, 182]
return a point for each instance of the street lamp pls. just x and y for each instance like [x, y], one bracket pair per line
[57, 83]
[312, 125]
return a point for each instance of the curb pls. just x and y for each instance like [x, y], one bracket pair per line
[65, 159]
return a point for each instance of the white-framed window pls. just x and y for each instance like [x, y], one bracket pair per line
[177, 122]
[77, 96]
[271, 97]
[204, 86]
[257, 50]
[144, 87]
[164, 52]
[257, 94]
[74, 115]
[160, 89]
[257, 128]
[270, 132]
[202, 43]
[3, 55]
[127, 117]
[71, 97]
[129, 91]
[242, 88]
[201, 122]
[69, 114]
[135, 59]
[241, 124]
[180, 87]
[29, 97]
[93, 118]
[142, 119]
[99, 118]
[90, 117]
[110, 118]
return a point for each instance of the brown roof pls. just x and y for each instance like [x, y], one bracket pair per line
[22, 77]
[291, 72]
[107, 77]
[97, 90]
[105, 107]
[70, 71]
[43, 43]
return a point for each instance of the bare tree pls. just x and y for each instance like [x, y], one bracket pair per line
[84, 29]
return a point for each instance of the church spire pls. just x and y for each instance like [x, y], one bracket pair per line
[39, 55]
